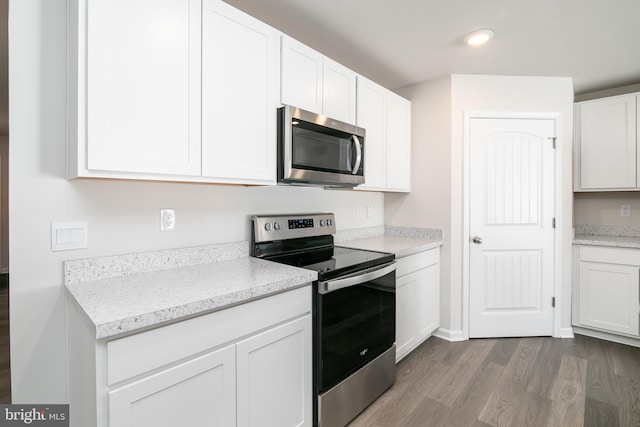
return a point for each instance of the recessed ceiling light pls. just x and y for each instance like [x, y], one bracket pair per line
[478, 37]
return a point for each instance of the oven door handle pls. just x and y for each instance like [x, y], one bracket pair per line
[359, 278]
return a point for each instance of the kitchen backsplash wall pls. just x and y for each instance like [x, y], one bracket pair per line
[604, 208]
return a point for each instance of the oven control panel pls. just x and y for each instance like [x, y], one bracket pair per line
[282, 227]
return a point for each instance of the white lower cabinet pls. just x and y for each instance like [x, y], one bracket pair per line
[272, 379]
[200, 392]
[417, 300]
[249, 365]
[606, 290]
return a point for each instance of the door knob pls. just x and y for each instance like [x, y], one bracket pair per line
[477, 240]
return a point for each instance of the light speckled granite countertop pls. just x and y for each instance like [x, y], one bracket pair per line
[621, 236]
[400, 241]
[614, 241]
[142, 299]
[399, 246]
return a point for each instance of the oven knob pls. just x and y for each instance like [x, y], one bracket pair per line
[322, 223]
[267, 226]
[276, 226]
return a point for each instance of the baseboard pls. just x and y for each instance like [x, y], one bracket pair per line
[620, 339]
[449, 335]
[565, 333]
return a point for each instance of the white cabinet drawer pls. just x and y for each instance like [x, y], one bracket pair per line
[610, 255]
[143, 352]
[415, 262]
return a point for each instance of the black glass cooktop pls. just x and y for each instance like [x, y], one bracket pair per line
[337, 261]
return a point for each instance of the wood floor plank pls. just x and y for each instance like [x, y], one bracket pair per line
[428, 413]
[497, 393]
[466, 409]
[629, 404]
[600, 414]
[503, 350]
[503, 406]
[568, 393]
[546, 367]
[453, 381]
[601, 384]
[535, 410]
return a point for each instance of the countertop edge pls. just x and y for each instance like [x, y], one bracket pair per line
[146, 321]
[607, 240]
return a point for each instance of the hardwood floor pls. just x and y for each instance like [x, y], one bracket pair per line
[5, 366]
[513, 382]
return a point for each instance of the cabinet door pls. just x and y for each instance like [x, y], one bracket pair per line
[428, 301]
[338, 92]
[398, 149]
[143, 86]
[301, 78]
[607, 143]
[274, 376]
[240, 60]
[608, 297]
[372, 116]
[406, 314]
[200, 392]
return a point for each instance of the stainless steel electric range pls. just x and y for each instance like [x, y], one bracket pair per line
[353, 311]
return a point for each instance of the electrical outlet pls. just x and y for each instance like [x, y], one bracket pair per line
[625, 210]
[369, 212]
[167, 219]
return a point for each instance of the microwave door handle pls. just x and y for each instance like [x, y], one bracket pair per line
[363, 277]
[356, 141]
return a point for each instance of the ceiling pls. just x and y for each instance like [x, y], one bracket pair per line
[402, 42]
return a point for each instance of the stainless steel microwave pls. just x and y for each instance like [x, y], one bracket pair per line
[316, 150]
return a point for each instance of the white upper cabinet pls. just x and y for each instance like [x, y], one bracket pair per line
[372, 116]
[138, 103]
[386, 117]
[606, 153]
[301, 76]
[338, 91]
[178, 90]
[398, 143]
[316, 83]
[240, 63]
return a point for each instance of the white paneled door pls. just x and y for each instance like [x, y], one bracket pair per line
[511, 227]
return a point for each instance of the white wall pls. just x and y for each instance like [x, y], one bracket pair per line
[437, 114]
[429, 203]
[123, 216]
[604, 208]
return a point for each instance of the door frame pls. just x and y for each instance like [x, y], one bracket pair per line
[557, 198]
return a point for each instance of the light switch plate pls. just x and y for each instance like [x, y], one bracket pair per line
[67, 236]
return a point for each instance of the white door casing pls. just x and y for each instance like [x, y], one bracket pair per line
[511, 209]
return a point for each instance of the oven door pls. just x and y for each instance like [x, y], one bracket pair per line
[318, 150]
[356, 322]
